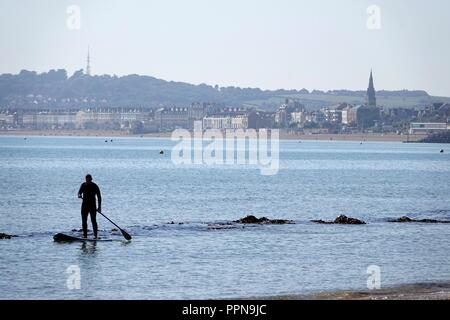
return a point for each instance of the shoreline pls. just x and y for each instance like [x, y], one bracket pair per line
[417, 291]
[283, 135]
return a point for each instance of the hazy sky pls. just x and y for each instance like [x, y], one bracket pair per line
[315, 44]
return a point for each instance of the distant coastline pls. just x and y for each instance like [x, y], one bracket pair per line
[283, 135]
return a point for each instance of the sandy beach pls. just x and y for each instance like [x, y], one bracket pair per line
[283, 135]
[81, 133]
[419, 291]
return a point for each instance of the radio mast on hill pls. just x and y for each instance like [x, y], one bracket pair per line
[88, 65]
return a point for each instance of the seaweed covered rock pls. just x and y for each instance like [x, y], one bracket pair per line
[402, 219]
[263, 220]
[346, 220]
[342, 219]
[406, 219]
[6, 236]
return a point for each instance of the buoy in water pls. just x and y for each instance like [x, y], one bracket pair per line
[161, 152]
[442, 151]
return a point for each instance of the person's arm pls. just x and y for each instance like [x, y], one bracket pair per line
[99, 199]
[80, 191]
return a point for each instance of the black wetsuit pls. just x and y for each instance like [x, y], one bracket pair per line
[88, 191]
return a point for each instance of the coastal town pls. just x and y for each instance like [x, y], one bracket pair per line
[292, 116]
[225, 159]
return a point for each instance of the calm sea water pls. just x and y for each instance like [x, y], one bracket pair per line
[143, 191]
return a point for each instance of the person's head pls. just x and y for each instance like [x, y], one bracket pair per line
[88, 178]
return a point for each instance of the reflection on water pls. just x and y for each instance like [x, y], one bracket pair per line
[89, 248]
[125, 243]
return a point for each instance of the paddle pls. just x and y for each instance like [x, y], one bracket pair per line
[124, 233]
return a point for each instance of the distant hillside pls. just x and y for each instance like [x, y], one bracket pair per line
[55, 89]
[390, 99]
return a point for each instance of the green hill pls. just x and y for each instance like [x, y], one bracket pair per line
[55, 89]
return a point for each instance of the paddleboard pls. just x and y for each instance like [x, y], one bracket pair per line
[61, 237]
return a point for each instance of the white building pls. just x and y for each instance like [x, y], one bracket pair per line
[7, 119]
[298, 117]
[48, 119]
[133, 116]
[428, 127]
[333, 115]
[226, 122]
[101, 117]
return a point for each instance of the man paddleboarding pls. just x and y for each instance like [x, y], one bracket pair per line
[87, 192]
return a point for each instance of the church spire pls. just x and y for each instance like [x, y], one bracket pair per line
[371, 98]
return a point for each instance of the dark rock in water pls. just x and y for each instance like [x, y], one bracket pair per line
[322, 222]
[442, 137]
[402, 219]
[345, 220]
[173, 222]
[221, 226]
[280, 221]
[431, 221]
[251, 219]
[340, 220]
[263, 220]
[6, 236]
[406, 219]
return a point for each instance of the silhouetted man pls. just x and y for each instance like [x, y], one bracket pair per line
[87, 192]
